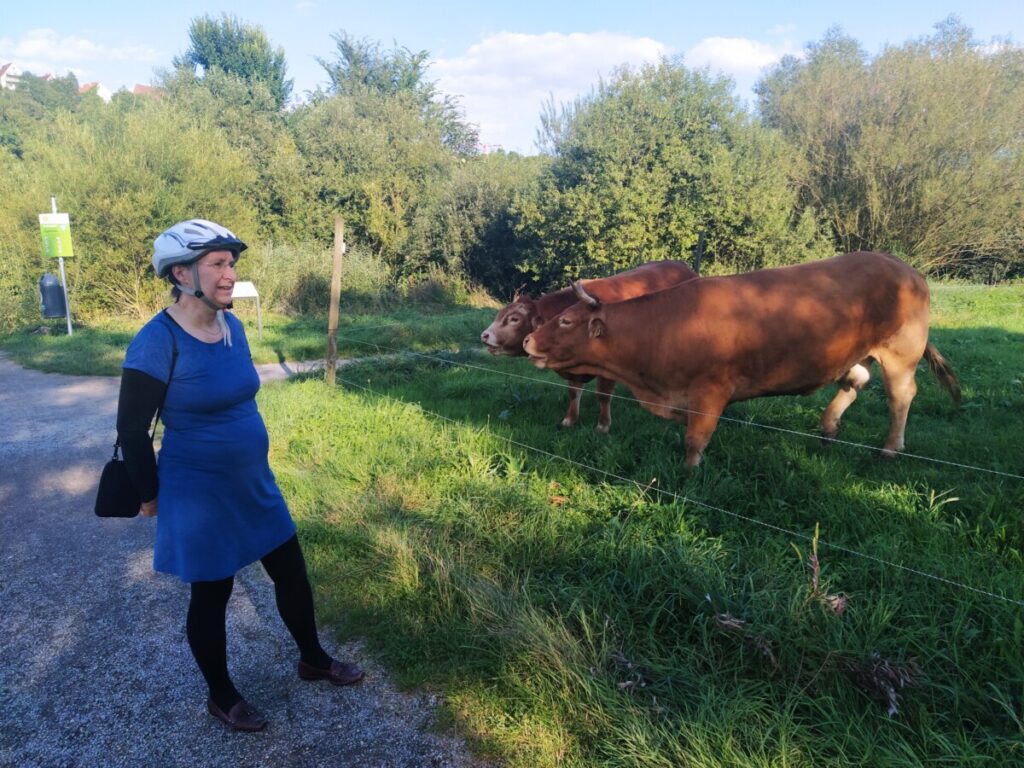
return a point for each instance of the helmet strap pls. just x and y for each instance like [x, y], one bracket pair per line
[197, 292]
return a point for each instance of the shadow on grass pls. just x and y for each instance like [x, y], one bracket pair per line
[561, 592]
[755, 477]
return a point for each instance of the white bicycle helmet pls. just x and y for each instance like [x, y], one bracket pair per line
[187, 242]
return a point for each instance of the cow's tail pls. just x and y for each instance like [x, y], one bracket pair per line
[943, 372]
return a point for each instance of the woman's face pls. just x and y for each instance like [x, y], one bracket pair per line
[216, 275]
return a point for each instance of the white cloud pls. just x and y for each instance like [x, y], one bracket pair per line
[782, 29]
[736, 56]
[42, 51]
[998, 46]
[505, 78]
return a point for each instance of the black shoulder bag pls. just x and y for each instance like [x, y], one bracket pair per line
[116, 496]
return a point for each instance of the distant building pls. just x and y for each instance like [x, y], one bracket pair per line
[147, 90]
[9, 76]
[99, 88]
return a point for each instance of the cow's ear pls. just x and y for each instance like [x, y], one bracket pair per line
[537, 322]
[596, 326]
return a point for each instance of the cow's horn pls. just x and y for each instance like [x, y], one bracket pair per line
[582, 295]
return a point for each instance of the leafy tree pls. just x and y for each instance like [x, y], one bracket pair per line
[918, 151]
[373, 159]
[361, 66]
[470, 227]
[20, 267]
[123, 176]
[647, 162]
[248, 116]
[231, 46]
[381, 146]
[27, 108]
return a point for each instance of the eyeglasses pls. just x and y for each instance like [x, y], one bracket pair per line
[221, 265]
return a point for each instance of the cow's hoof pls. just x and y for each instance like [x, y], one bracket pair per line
[887, 454]
[565, 424]
[603, 428]
[827, 438]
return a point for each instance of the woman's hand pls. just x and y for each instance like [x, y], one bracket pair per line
[148, 508]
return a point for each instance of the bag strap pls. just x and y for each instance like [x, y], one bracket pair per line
[160, 408]
[174, 359]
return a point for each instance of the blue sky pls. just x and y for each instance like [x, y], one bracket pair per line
[504, 59]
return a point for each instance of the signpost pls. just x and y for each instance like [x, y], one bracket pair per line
[55, 229]
[332, 312]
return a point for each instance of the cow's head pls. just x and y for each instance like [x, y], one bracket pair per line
[506, 334]
[567, 339]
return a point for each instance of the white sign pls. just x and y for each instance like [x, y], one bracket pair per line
[244, 290]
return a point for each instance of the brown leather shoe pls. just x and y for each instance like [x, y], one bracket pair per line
[241, 717]
[339, 673]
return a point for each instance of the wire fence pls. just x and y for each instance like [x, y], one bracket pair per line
[743, 422]
[378, 346]
[736, 515]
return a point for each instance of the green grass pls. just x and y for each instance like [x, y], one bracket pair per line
[575, 619]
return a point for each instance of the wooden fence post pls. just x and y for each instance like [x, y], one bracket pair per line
[699, 255]
[332, 316]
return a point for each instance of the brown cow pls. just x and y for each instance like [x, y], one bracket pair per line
[506, 334]
[688, 351]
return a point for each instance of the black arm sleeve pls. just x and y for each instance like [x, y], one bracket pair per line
[141, 395]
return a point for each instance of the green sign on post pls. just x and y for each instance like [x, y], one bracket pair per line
[56, 231]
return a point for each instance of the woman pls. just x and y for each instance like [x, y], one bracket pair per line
[219, 506]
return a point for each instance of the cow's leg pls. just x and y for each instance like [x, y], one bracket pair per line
[604, 389]
[901, 387]
[575, 393]
[853, 382]
[701, 420]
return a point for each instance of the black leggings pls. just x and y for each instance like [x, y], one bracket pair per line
[205, 625]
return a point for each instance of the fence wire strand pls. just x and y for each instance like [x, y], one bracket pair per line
[736, 515]
[722, 417]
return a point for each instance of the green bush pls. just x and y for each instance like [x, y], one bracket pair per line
[649, 161]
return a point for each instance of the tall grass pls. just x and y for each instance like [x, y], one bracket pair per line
[575, 619]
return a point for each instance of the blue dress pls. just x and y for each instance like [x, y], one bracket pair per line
[219, 507]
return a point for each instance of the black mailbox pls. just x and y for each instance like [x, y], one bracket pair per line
[51, 295]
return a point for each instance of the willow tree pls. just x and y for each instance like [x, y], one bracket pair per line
[918, 151]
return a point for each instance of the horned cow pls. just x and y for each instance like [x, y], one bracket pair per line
[506, 334]
[688, 351]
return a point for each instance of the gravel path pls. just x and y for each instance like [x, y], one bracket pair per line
[94, 666]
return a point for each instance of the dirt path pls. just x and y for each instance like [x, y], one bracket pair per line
[94, 666]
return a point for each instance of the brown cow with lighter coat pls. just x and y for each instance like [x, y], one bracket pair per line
[688, 351]
[506, 334]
